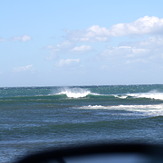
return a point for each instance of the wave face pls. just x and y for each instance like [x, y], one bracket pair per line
[154, 92]
[86, 95]
[120, 92]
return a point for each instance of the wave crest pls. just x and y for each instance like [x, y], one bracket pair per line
[146, 110]
[150, 95]
[74, 92]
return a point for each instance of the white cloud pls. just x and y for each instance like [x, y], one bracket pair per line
[59, 48]
[144, 25]
[23, 38]
[82, 48]
[64, 62]
[23, 68]
[142, 51]
[93, 33]
[146, 51]
[63, 45]
[141, 26]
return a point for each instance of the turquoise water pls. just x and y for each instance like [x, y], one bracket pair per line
[33, 118]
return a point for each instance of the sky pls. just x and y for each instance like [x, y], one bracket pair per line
[80, 42]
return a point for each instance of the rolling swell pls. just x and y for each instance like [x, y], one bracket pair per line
[91, 97]
[91, 129]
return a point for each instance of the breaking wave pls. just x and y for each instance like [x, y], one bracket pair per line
[149, 110]
[151, 95]
[85, 93]
[75, 92]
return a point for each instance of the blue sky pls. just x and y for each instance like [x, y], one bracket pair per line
[80, 42]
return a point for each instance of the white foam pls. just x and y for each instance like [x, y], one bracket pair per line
[156, 110]
[75, 92]
[121, 96]
[152, 95]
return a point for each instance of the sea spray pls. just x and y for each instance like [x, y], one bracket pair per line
[74, 92]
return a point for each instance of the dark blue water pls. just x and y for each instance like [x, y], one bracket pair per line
[34, 118]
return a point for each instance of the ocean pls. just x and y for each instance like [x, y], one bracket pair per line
[34, 118]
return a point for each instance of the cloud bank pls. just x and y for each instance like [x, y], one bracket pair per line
[98, 49]
[141, 26]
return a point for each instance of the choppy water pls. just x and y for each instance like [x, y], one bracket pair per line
[33, 118]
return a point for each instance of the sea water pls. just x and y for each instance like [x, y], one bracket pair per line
[34, 118]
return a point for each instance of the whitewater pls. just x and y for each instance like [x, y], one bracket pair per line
[74, 92]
